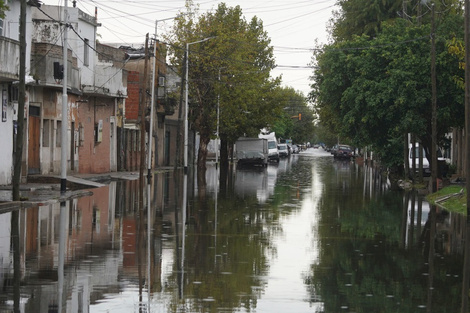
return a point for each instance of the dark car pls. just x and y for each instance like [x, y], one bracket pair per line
[295, 149]
[333, 149]
[343, 152]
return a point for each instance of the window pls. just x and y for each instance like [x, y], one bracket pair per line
[13, 91]
[1, 27]
[86, 56]
[46, 133]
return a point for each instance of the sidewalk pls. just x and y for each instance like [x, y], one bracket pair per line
[46, 188]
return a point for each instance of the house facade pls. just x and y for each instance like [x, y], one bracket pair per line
[105, 89]
[9, 78]
[95, 89]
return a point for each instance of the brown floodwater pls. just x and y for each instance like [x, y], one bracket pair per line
[310, 234]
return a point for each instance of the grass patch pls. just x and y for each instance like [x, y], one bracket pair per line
[456, 203]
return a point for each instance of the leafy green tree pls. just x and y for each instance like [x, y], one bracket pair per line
[324, 135]
[230, 71]
[363, 17]
[375, 90]
[297, 118]
[3, 8]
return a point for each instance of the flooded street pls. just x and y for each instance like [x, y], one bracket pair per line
[309, 234]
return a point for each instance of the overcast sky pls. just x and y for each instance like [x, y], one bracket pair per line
[292, 25]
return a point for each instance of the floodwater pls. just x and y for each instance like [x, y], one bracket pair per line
[310, 234]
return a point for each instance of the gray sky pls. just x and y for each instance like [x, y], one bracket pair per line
[293, 26]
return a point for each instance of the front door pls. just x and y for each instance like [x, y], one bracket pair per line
[34, 128]
[167, 148]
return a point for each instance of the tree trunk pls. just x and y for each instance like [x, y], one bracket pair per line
[202, 154]
[223, 153]
[413, 157]
[405, 156]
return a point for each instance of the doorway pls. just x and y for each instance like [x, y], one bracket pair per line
[34, 127]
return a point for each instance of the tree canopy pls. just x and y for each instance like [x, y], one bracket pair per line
[3, 8]
[296, 121]
[373, 90]
[229, 70]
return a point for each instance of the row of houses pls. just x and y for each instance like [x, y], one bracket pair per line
[105, 87]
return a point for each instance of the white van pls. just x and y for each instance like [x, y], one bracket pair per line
[273, 154]
[426, 168]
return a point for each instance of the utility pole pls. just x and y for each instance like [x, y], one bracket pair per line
[466, 262]
[434, 103]
[21, 102]
[143, 106]
[152, 105]
[64, 141]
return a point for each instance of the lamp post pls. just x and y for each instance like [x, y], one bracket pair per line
[186, 104]
[218, 124]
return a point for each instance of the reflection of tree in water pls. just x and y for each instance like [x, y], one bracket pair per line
[226, 262]
[363, 265]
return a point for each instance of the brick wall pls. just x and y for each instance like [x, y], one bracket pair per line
[110, 54]
[94, 157]
[132, 101]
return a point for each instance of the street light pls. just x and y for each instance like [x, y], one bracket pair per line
[186, 104]
[217, 146]
[218, 114]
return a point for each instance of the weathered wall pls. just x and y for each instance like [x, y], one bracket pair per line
[132, 102]
[6, 139]
[94, 155]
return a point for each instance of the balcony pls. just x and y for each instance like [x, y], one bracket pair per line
[9, 59]
[43, 56]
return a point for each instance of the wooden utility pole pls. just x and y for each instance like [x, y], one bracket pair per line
[143, 107]
[434, 104]
[406, 159]
[65, 110]
[466, 263]
[21, 102]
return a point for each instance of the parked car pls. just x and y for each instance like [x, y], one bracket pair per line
[283, 150]
[295, 149]
[343, 152]
[333, 150]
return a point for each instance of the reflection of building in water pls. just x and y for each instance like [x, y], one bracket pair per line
[100, 251]
[5, 241]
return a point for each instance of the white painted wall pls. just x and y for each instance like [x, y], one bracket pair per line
[11, 27]
[6, 139]
[83, 28]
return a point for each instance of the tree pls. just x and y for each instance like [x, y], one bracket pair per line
[374, 90]
[3, 8]
[230, 71]
[297, 118]
[363, 17]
